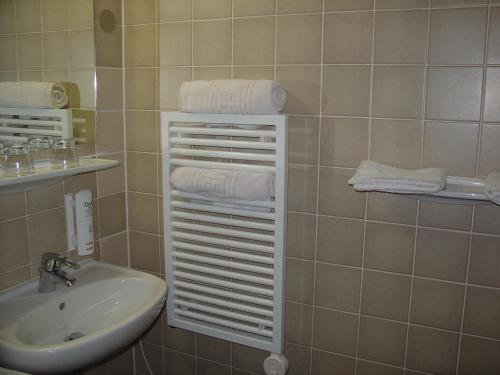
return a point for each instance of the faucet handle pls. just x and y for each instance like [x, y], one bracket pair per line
[51, 262]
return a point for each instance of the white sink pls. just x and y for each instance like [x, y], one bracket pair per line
[110, 306]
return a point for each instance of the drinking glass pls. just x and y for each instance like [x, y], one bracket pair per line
[17, 160]
[64, 154]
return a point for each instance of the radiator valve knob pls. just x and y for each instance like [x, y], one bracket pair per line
[275, 364]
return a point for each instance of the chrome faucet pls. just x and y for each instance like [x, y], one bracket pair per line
[51, 273]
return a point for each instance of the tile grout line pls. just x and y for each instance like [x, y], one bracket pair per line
[365, 216]
[318, 179]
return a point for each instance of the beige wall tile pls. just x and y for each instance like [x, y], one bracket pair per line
[489, 157]
[401, 37]
[442, 254]
[140, 45]
[453, 93]
[301, 236]
[298, 39]
[30, 51]
[8, 43]
[382, 341]
[56, 50]
[302, 85]
[457, 36]
[81, 14]
[44, 198]
[323, 363]
[389, 247]
[7, 17]
[333, 5]
[140, 88]
[171, 80]
[391, 208]
[112, 181]
[302, 188]
[180, 362]
[494, 37]
[114, 249]
[212, 72]
[143, 212]
[114, 6]
[372, 368]
[138, 12]
[14, 248]
[213, 9]
[492, 95]
[248, 358]
[348, 38]
[431, 350]
[340, 241]
[451, 146]
[337, 287]
[458, 3]
[84, 88]
[13, 205]
[299, 6]
[174, 43]
[253, 41]
[55, 14]
[397, 4]
[253, 8]
[336, 197]
[142, 131]
[445, 216]
[144, 251]
[437, 304]
[154, 354]
[299, 357]
[344, 141]
[253, 72]
[109, 131]
[174, 10]
[398, 91]
[385, 295]
[487, 219]
[179, 339]
[482, 307]
[398, 143]
[299, 281]
[47, 232]
[213, 348]
[14, 277]
[212, 43]
[478, 355]
[142, 173]
[298, 323]
[28, 16]
[485, 261]
[346, 90]
[108, 46]
[112, 214]
[303, 137]
[335, 331]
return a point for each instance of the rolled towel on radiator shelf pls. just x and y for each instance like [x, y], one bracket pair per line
[224, 184]
[241, 96]
[373, 176]
[26, 94]
[492, 187]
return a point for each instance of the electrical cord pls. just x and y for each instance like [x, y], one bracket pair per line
[145, 359]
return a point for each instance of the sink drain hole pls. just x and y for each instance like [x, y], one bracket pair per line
[73, 336]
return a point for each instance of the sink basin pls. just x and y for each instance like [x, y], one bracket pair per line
[73, 328]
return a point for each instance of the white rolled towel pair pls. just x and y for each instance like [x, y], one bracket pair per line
[251, 97]
[224, 184]
[373, 176]
[27, 94]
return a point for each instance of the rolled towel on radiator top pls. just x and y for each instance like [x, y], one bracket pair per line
[373, 176]
[251, 97]
[26, 94]
[224, 184]
[492, 187]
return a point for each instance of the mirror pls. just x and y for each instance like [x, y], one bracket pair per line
[53, 40]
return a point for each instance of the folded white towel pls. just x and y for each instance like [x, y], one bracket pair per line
[26, 94]
[492, 187]
[376, 176]
[224, 184]
[252, 97]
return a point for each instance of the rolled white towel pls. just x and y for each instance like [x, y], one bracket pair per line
[380, 177]
[26, 94]
[251, 97]
[492, 187]
[224, 184]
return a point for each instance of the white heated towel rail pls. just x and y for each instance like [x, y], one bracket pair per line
[225, 261]
[20, 124]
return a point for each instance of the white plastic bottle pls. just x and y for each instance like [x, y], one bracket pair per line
[84, 222]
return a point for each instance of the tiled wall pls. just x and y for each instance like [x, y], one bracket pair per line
[376, 284]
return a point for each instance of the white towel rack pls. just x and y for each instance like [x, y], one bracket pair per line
[19, 124]
[225, 261]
